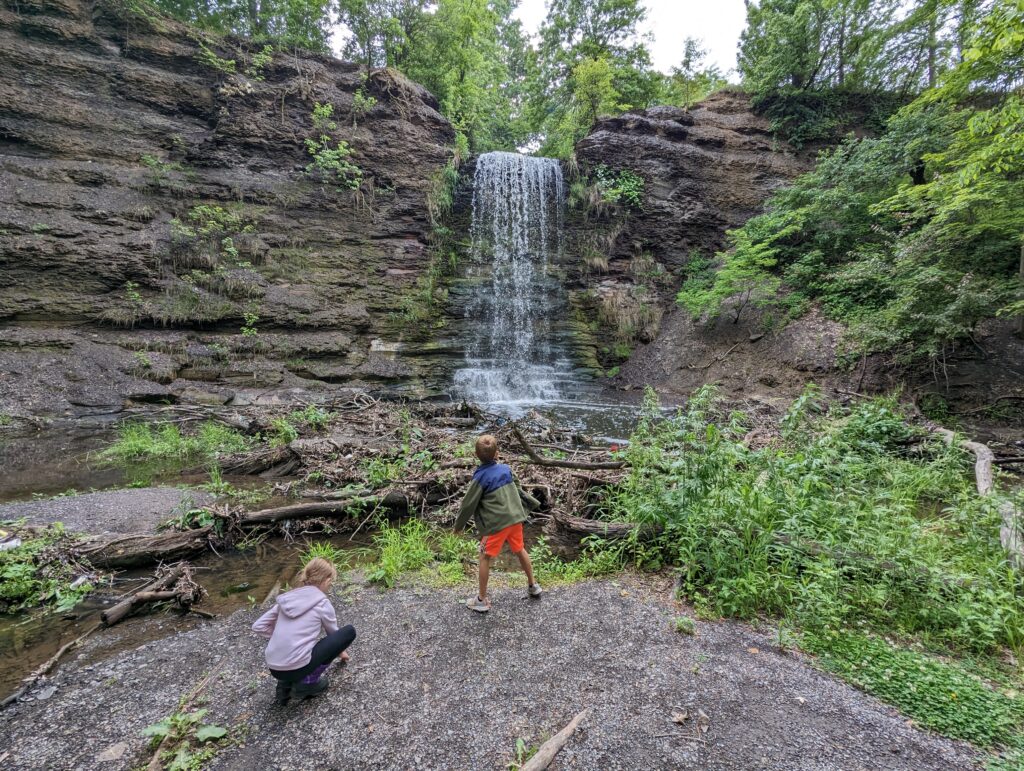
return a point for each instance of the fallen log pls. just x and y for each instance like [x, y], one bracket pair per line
[583, 527]
[267, 462]
[554, 463]
[1009, 531]
[1009, 461]
[552, 746]
[129, 551]
[161, 589]
[395, 502]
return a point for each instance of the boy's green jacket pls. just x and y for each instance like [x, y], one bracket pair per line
[494, 500]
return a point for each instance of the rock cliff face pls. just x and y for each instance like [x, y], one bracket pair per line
[705, 170]
[154, 200]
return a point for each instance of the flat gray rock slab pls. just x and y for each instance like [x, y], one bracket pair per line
[116, 511]
[433, 686]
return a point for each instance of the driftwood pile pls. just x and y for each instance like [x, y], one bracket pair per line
[381, 461]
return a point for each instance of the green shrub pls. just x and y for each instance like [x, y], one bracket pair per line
[330, 157]
[282, 433]
[41, 571]
[165, 441]
[834, 525]
[626, 187]
[207, 57]
[937, 695]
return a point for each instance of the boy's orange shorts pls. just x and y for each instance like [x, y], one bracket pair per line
[491, 544]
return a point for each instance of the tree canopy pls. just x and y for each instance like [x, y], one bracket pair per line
[912, 237]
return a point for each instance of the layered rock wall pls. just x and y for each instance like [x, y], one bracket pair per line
[154, 197]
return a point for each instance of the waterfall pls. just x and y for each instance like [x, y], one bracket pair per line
[516, 232]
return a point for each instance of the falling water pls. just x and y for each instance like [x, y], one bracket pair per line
[516, 232]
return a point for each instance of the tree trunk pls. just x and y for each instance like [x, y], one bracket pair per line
[1020, 294]
[129, 551]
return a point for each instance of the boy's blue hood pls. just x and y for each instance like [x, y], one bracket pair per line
[490, 476]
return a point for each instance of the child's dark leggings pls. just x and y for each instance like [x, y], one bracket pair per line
[324, 652]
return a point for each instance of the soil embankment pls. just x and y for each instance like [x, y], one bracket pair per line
[432, 685]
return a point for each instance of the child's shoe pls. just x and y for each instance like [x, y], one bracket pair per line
[475, 603]
[283, 693]
[306, 690]
[534, 590]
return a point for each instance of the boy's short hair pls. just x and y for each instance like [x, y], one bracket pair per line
[486, 447]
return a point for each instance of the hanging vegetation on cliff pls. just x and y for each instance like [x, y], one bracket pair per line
[911, 238]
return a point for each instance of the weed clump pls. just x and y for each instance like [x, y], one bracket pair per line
[165, 442]
[41, 571]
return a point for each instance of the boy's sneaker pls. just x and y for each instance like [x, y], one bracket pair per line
[475, 603]
[534, 590]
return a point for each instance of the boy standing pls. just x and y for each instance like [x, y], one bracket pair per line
[494, 501]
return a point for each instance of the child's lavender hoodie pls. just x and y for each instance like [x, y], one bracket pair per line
[294, 625]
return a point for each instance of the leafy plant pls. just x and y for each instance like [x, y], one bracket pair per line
[313, 416]
[935, 694]
[625, 186]
[362, 103]
[185, 740]
[684, 625]
[249, 329]
[259, 62]
[330, 157]
[209, 58]
[379, 471]
[41, 571]
[283, 432]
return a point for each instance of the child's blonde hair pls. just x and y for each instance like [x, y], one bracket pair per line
[486, 447]
[317, 571]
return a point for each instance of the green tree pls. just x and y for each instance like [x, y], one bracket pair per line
[472, 55]
[303, 23]
[914, 237]
[692, 80]
[596, 30]
[381, 31]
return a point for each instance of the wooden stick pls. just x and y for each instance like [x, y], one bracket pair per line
[551, 747]
[49, 664]
[156, 591]
[541, 461]
[1007, 398]
[392, 500]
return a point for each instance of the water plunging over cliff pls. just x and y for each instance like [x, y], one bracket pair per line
[516, 233]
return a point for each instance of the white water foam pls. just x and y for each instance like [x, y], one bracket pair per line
[516, 232]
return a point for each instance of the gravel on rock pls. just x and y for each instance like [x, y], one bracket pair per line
[433, 686]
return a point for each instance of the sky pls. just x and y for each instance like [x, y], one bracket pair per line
[717, 23]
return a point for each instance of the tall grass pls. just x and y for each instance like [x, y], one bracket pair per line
[852, 518]
[166, 442]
